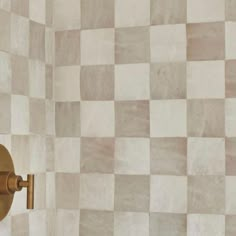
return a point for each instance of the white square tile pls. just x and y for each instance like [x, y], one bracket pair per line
[207, 225]
[97, 119]
[206, 156]
[5, 72]
[131, 224]
[230, 40]
[19, 35]
[64, 148]
[205, 10]
[206, 79]
[37, 10]
[19, 114]
[168, 43]
[168, 194]
[97, 191]
[168, 118]
[132, 13]
[97, 47]
[230, 117]
[67, 83]
[132, 156]
[230, 195]
[132, 82]
[37, 78]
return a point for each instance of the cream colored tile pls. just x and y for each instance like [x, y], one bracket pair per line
[161, 117]
[230, 10]
[66, 14]
[20, 114]
[50, 117]
[38, 223]
[230, 117]
[230, 149]
[20, 225]
[230, 195]
[168, 43]
[129, 13]
[5, 118]
[19, 35]
[5, 226]
[67, 83]
[5, 29]
[230, 225]
[210, 225]
[130, 224]
[50, 153]
[132, 156]
[230, 43]
[206, 156]
[230, 77]
[49, 46]
[97, 191]
[97, 47]
[5, 71]
[65, 147]
[132, 82]
[5, 4]
[49, 77]
[206, 79]
[97, 119]
[205, 10]
[37, 10]
[40, 191]
[5, 140]
[50, 190]
[168, 194]
[20, 7]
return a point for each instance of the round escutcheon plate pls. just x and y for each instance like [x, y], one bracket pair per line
[6, 165]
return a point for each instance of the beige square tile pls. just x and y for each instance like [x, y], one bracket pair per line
[100, 223]
[200, 37]
[50, 117]
[206, 225]
[5, 30]
[230, 149]
[5, 140]
[49, 81]
[65, 147]
[20, 114]
[97, 47]
[67, 191]
[5, 106]
[37, 223]
[130, 13]
[230, 10]
[168, 194]
[97, 14]
[230, 117]
[37, 116]
[49, 45]
[5, 226]
[230, 225]
[132, 82]
[67, 222]
[205, 10]
[50, 153]
[168, 11]
[206, 194]
[20, 75]
[67, 47]
[132, 119]
[97, 83]
[132, 45]
[230, 195]
[37, 78]
[168, 43]
[66, 14]
[50, 190]
[37, 10]
[206, 118]
[168, 80]
[49, 13]
[132, 156]
[37, 41]
[20, 225]
[5, 4]
[130, 223]
[132, 193]
[40, 191]
[97, 155]
[97, 119]
[168, 224]
[230, 78]
[206, 79]
[206, 156]
[230, 44]
[20, 7]
[161, 116]
[6, 72]
[67, 83]
[67, 119]
[19, 35]
[169, 156]
[97, 191]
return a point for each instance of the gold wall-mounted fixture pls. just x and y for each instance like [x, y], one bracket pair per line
[10, 183]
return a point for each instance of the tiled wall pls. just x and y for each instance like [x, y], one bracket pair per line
[27, 107]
